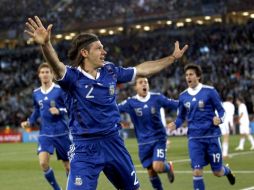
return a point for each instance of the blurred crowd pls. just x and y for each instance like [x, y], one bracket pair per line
[225, 53]
[72, 14]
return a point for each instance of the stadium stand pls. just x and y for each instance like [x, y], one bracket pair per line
[225, 51]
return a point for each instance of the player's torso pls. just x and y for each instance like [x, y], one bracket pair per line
[51, 124]
[197, 105]
[146, 117]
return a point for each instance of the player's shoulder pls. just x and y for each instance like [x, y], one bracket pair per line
[184, 92]
[57, 86]
[108, 65]
[126, 101]
[37, 90]
[155, 94]
[208, 87]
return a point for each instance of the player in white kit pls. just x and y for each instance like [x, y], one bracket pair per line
[244, 124]
[227, 124]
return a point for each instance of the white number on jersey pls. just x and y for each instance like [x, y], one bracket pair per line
[89, 93]
[216, 157]
[160, 153]
[133, 173]
[139, 112]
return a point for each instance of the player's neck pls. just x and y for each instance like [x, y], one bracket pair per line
[45, 86]
[90, 70]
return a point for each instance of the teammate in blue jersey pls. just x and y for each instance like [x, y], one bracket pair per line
[197, 104]
[54, 133]
[90, 85]
[144, 110]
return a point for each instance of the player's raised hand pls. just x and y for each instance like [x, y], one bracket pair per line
[178, 53]
[37, 31]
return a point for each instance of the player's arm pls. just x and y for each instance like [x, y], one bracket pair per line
[151, 67]
[169, 103]
[34, 116]
[41, 36]
[181, 114]
[123, 106]
[218, 106]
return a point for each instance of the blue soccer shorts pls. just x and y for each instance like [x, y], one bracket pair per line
[204, 151]
[59, 143]
[155, 151]
[88, 157]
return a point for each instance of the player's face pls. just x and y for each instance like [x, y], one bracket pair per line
[142, 86]
[191, 78]
[96, 55]
[45, 75]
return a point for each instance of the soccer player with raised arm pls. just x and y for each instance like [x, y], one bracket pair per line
[197, 104]
[54, 132]
[90, 84]
[144, 110]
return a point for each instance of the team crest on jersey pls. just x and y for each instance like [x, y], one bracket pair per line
[187, 105]
[153, 110]
[111, 89]
[201, 104]
[78, 181]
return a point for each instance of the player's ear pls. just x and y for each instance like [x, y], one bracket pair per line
[84, 52]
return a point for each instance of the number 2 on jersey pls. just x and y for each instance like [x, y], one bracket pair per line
[88, 95]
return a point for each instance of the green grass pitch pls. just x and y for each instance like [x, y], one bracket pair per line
[19, 168]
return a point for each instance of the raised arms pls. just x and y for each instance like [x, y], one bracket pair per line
[151, 67]
[41, 36]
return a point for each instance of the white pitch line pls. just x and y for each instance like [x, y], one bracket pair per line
[188, 160]
[189, 172]
[248, 188]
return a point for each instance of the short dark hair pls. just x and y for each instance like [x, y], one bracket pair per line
[44, 65]
[194, 67]
[229, 97]
[81, 41]
[240, 98]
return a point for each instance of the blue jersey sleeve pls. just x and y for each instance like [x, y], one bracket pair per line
[169, 103]
[217, 104]
[70, 77]
[181, 114]
[61, 107]
[36, 112]
[124, 107]
[125, 74]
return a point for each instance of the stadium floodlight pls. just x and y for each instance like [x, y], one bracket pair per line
[245, 13]
[147, 28]
[102, 31]
[120, 28]
[67, 37]
[138, 26]
[169, 22]
[217, 20]
[188, 20]
[58, 36]
[111, 32]
[200, 22]
[207, 17]
[179, 24]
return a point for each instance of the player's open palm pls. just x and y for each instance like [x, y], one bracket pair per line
[178, 53]
[37, 31]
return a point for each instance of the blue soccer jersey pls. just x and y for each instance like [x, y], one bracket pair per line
[198, 107]
[146, 117]
[50, 125]
[92, 102]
